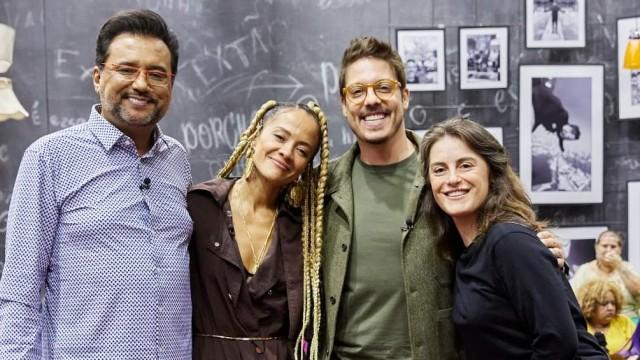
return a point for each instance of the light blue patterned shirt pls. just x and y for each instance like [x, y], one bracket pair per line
[109, 255]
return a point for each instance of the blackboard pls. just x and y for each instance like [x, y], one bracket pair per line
[234, 55]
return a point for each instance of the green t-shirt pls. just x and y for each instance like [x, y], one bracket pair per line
[372, 322]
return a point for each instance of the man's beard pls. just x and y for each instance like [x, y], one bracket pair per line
[121, 115]
[124, 116]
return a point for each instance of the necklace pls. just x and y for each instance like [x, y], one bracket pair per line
[257, 259]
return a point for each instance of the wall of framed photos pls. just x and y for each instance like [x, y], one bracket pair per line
[235, 55]
[585, 183]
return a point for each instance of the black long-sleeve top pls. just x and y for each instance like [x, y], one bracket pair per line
[512, 302]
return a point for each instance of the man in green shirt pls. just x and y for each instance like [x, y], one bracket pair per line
[387, 294]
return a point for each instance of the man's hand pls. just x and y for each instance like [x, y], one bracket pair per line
[550, 240]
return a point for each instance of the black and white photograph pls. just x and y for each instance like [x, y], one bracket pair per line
[579, 244]
[628, 80]
[633, 221]
[555, 23]
[422, 51]
[561, 140]
[484, 57]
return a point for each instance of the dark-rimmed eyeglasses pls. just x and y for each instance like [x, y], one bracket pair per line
[356, 93]
[131, 73]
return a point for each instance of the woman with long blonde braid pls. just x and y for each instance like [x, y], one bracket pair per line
[256, 243]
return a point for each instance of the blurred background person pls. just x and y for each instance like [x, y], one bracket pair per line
[493, 60]
[411, 69]
[429, 68]
[609, 265]
[601, 302]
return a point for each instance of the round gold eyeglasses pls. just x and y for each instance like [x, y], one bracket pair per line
[356, 93]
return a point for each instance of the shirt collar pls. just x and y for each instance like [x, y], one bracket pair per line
[219, 189]
[109, 135]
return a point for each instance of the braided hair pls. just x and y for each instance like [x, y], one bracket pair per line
[312, 204]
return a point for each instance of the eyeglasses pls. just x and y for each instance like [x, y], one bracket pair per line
[131, 73]
[356, 93]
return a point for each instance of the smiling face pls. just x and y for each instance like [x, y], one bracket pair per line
[459, 179]
[375, 121]
[287, 143]
[130, 104]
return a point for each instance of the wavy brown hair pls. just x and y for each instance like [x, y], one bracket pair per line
[594, 292]
[506, 201]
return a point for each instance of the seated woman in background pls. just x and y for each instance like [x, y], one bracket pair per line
[510, 299]
[601, 301]
[254, 253]
[608, 265]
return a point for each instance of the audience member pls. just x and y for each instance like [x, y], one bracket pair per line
[608, 265]
[601, 302]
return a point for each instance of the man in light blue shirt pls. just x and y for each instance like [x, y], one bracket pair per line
[98, 220]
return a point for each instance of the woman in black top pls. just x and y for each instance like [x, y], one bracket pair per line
[510, 299]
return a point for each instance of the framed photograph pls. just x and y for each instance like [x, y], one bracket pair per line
[579, 244]
[555, 23]
[422, 51]
[561, 140]
[633, 221]
[628, 80]
[484, 57]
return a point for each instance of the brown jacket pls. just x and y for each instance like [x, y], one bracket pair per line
[225, 302]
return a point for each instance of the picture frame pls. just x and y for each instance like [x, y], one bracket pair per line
[578, 243]
[628, 80]
[555, 23]
[423, 55]
[484, 57]
[633, 221]
[561, 137]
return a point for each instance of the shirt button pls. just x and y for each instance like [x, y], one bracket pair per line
[229, 295]
[216, 244]
[332, 300]
[344, 247]
[269, 292]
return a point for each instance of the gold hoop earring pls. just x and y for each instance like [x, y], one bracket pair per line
[296, 193]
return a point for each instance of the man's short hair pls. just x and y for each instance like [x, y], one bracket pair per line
[138, 22]
[369, 46]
